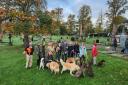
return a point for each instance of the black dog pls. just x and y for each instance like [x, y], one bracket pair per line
[101, 63]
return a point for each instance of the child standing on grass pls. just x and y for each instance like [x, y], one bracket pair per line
[94, 53]
[28, 53]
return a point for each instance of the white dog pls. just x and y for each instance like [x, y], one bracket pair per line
[42, 63]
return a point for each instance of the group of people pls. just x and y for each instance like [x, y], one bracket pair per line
[59, 50]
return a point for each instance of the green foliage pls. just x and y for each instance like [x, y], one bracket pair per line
[118, 20]
[115, 9]
[98, 29]
[85, 19]
[63, 30]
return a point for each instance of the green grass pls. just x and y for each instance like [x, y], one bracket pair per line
[13, 72]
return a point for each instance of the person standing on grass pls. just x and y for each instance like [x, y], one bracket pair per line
[114, 44]
[28, 51]
[58, 53]
[76, 49]
[126, 46]
[83, 53]
[94, 53]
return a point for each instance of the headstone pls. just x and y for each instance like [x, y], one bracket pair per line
[122, 40]
[97, 40]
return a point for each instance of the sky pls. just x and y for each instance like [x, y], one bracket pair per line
[73, 6]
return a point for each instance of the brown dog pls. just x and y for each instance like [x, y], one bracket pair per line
[70, 60]
[72, 67]
[53, 66]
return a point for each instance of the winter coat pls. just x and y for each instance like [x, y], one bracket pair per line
[94, 51]
[114, 42]
[126, 43]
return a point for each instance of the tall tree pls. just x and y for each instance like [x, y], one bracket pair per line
[99, 24]
[25, 6]
[85, 19]
[56, 15]
[70, 22]
[59, 12]
[116, 8]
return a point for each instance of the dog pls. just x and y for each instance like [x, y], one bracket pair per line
[72, 67]
[70, 60]
[53, 66]
[81, 71]
[101, 63]
[42, 63]
[89, 69]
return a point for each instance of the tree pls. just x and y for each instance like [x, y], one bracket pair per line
[99, 24]
[63, 30]
[41, 5]
[25, 7]
[59, 12]
[116, 8]
[56, 15]
[70, 22]
[85, 20]
[45, 22]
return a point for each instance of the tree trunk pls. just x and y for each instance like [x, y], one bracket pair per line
[26, 40]
[80, 34]
[10, 39]
[114, 30]
[1, 33]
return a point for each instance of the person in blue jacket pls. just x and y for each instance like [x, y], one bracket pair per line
[83, 52]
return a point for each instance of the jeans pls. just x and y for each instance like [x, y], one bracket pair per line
[28, 61]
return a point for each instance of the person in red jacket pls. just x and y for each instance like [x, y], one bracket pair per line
[28, 51]
[94, 53]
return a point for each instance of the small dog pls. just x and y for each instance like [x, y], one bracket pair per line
[101, 63]
[53, 66]
[42, 64]
[81, 71]
[70, 60]
[72, 67]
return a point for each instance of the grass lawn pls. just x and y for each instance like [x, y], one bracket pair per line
[12, 71]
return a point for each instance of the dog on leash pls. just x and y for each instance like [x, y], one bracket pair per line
[72, 67]
[53, 66]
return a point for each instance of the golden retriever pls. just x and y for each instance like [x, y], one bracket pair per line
[69, 66]
[70, 60]
[53, 66]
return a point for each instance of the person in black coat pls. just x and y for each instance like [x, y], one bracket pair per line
[126, 46]
[40, 53]
[114, 44]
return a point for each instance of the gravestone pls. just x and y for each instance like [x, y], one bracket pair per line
[122, 40]
[97, 40]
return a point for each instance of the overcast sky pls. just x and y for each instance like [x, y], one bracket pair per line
[73, 6]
